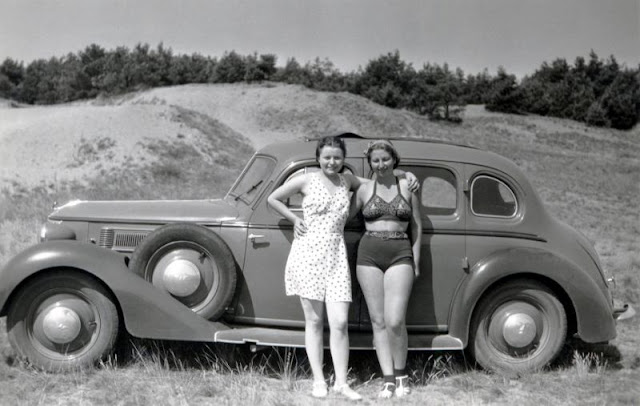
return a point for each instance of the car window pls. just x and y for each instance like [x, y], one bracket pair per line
[253, 179]
[492, 197]
[438, 193]
[295, 202]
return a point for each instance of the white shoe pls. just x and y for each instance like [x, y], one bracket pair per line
[319, 389]
[402, 386]
[347, 392]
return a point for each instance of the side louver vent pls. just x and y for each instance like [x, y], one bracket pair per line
[128, 240]
[106, 237]
[121, 240]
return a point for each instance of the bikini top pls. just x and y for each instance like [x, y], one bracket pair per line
[378, 209]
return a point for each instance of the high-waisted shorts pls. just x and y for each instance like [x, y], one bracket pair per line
[384, 253]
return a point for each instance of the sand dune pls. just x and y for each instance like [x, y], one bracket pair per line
[61, 143]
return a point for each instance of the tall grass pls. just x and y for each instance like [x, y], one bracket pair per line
[586, 363]
[170, 373]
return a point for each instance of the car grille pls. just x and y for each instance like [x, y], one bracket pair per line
[121, 240]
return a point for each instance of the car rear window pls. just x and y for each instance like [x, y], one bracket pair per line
[492, 197]
[438, 193]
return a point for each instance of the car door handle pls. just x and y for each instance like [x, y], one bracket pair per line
[253, 237]
[465, 264]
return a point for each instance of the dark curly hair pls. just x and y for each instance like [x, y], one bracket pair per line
[330, 141]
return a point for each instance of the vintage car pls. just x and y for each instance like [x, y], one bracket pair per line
[500, 277]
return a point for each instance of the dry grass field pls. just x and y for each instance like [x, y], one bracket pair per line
[191, 142]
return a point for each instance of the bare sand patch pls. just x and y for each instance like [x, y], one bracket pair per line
[65, 143]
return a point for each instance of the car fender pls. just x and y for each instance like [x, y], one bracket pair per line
[593, 311]
[147, 312]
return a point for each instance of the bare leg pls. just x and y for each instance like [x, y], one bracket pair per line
[338, 314]
[313, 316]
[398, 281]
[371, 280]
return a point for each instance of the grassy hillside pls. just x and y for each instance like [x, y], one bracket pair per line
[191, 141]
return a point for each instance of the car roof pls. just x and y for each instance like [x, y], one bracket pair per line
[408, 149]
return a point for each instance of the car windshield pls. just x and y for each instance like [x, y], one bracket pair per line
[252, 180]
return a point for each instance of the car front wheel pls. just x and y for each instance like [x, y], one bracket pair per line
[518, 327]
[64, 320]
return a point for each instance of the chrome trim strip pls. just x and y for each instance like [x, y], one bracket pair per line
[477, 233]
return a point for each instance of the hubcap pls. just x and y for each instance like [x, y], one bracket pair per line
[516, 328]
[519, 330]
[181, 277]
[186, 271]
[61, 324]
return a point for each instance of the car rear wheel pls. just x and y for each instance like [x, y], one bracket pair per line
[517, 327]
[191, 263]
[63, 320]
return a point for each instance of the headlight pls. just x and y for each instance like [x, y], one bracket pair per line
[56, 231]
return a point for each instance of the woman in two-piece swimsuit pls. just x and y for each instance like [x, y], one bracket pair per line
[388, 261]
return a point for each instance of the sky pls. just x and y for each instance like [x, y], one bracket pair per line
[470, 34]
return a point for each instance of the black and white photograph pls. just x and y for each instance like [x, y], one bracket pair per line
[285, 202]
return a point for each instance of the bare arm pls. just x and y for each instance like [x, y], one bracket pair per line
[412, 180]
[356, 202]
[416, 231]
[356, 181]
[277, 198]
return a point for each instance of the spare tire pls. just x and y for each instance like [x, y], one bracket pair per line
[191, 263]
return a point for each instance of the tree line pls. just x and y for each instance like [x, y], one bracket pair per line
[598, 92]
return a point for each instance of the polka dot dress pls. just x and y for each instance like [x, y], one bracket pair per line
[317, 267]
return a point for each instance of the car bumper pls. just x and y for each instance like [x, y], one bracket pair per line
[622, 311]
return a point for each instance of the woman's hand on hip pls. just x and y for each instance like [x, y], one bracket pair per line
[299, 228]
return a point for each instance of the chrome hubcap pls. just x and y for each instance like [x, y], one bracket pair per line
[181, 277]
[516, 328]
[186, 271]
[519, 330]
[61, 324]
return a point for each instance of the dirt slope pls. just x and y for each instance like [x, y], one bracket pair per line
[66, 142]
[53, 144]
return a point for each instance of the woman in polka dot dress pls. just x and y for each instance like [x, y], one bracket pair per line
[317, 269]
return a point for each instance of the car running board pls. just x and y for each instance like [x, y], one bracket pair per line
[274, 337]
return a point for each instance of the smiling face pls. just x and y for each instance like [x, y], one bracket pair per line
[382, 162]
[331, 160]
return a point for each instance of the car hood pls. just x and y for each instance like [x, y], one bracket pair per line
[147, 212]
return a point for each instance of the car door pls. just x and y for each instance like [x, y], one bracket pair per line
[494, 213]
[263, 300]
[443, 246]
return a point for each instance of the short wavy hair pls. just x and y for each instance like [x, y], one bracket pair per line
[385, 145]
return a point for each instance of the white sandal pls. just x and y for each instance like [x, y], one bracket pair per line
[347, 392]
[402, 386]
[388, 389]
